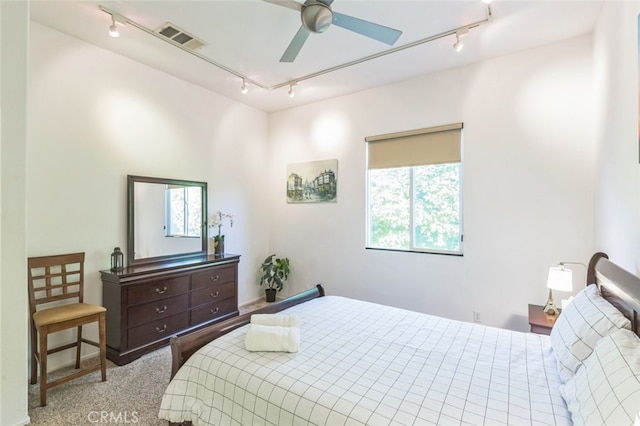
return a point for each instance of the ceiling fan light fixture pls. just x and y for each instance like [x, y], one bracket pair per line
[316, 16]
[292, 93]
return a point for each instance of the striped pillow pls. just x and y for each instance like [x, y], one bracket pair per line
[582, 323]
[606, 389]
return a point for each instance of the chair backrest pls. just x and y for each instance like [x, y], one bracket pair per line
[55, 278]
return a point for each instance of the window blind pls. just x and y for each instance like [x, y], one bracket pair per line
[433, 145]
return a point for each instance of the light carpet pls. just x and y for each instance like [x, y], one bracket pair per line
[131, 395]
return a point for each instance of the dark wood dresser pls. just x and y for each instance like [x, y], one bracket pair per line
[147, 304]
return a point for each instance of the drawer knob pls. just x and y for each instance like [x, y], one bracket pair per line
[161, 290]
[214, 294]
[214, 278]
[161, 329]
[214, 311]
[161, 310]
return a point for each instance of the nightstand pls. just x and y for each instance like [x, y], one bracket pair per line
[540, 322]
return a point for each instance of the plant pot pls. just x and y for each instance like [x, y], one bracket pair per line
[271, 294]
[218, 246]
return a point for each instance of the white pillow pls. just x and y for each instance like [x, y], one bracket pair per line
[579, 327]
[606, 388]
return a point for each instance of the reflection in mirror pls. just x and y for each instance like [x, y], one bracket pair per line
[167, 219]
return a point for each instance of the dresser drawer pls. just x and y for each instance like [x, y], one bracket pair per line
[221, 275]
[213, 293]
[159, 289]
[158, 309]
[212, 311]
[156, 330]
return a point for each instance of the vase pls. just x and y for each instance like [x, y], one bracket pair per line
[218, 246]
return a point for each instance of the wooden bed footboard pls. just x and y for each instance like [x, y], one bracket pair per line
[183, 346]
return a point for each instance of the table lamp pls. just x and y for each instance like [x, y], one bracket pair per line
[560, 279]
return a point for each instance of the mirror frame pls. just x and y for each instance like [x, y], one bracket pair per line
[131, 180]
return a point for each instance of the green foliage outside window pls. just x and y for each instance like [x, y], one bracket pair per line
[184, 212]
[415, 208]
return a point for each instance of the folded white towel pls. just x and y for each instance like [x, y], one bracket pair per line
[276, 319]
[272, 338]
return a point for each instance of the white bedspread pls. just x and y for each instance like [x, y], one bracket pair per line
[366, 364]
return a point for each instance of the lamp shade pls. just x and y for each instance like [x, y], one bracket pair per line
[560, 279]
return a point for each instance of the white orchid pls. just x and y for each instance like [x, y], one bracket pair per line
[217, 220]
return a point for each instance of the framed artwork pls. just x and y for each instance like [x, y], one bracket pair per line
[312, 182]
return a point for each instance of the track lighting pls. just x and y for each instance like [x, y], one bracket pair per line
[116, 20]
[458, 45]
[113, 30]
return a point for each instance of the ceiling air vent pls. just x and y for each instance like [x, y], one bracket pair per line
[174, 33]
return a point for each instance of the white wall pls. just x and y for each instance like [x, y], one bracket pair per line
[528, 185]
[94, 118]
[617, 202]
[14, 26]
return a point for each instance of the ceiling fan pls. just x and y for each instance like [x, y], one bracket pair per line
[317, 17]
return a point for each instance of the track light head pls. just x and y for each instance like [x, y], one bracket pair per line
[244, 89]
[458, 45]
[291, 92]
[116, 21]
[113, 31]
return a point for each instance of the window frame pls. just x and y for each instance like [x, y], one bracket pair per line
[185, 212]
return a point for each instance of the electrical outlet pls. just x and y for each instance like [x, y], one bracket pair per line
[476, 316]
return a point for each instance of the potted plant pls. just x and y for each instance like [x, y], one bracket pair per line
[274, 272]
[218, 240]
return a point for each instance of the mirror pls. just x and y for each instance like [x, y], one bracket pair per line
[166, 219]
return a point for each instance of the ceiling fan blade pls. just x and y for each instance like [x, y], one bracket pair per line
[295, 45]
[286, 3]
[369, 29]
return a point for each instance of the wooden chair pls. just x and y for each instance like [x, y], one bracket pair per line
[60, 279]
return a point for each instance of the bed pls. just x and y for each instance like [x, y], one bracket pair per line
[361, 363]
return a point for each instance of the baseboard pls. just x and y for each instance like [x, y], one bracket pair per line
[23, 422]
[251, 302]
[71, 363]
[258, 300]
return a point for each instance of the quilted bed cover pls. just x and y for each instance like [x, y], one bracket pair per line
[361, 363]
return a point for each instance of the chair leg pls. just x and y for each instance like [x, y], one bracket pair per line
[43, 367]
[79, 346]
[34, 352]
[102, 335]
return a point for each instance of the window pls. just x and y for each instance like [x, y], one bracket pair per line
[183, 204]
[414, 197]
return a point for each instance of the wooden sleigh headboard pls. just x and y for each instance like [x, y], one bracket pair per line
[618, 286]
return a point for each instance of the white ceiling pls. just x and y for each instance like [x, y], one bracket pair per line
[250, 36]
